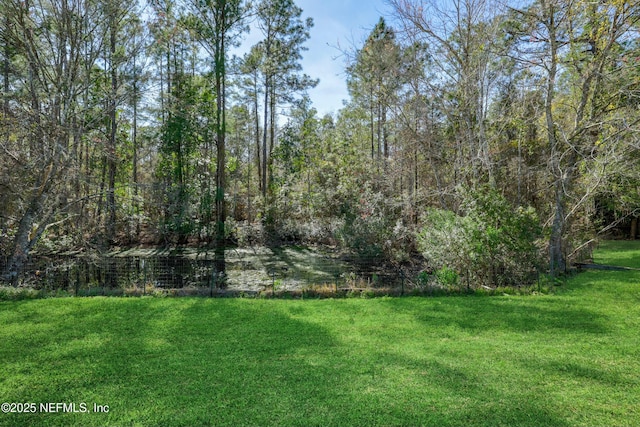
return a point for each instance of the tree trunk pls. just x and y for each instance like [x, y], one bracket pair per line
[372, 124]
[248, 181]
[103, 176]
[29, 231]
[111, 151]
[220, 263]
[385, 133]
[256, 120]
[267, 91]
[272, 136]
[23, 241]
[134, 141]
[5, 74]
[557, 262]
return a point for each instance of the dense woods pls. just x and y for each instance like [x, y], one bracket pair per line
[483, 139]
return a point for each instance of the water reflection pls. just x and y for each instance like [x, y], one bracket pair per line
[251, 269]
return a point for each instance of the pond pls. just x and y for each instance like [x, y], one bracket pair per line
[249, 270]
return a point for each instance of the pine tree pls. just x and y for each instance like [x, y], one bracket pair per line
[280, 51]
[218, 23]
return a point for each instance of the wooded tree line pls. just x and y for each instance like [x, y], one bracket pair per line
[494, 132]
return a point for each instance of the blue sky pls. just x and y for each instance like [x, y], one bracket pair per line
[343, 23]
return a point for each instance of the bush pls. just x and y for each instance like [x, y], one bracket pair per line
[366, 226]
[490, 242]
[372, 228]
[10, 293]
[447, 277]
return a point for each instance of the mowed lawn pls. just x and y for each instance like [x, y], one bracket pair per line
[568, 358]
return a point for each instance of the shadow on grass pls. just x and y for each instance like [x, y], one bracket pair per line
[162, 362]
[489, 314]
[456, 395]
[238, 362]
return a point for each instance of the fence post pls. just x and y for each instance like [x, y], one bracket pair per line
[273, 283]
[144, 276]
[212, 282]
[401, 282]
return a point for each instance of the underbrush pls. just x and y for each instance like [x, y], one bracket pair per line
[320, 291]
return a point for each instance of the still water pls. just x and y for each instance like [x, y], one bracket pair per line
[248, 269]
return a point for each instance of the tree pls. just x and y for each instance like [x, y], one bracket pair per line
[137, 76]
[280, 52]
[56, 42]
[298, 152]
[461, 36]
[117, 15]
[579, 44]
[181, 134]
[375, 78]
[217, 22]
[250, 91]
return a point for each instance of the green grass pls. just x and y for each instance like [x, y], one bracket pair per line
[569, 358]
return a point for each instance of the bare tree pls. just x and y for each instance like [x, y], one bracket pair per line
[461, 36]
[58, 41]
[581, 42]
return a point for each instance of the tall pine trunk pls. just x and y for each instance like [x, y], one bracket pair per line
[267, 90]
[134, 141]
[220, 74]
[113, 129]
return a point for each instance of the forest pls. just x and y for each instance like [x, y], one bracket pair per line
[482, 139]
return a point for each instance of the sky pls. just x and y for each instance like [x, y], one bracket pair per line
[338, 24]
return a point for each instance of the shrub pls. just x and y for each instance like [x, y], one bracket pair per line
[10, 293]
[366, 226]
[490, 242]
[372, 228]
[447, 277]
[422, 279]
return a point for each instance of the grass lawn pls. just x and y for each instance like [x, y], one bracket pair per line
[565, 359]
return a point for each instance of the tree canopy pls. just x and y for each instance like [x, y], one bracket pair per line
[119, 128]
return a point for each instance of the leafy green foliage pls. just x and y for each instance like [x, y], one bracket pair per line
[447, 277]
[182, 135]
[490, 243]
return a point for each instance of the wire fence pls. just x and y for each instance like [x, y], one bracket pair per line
[258, 271]
[284, 271]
